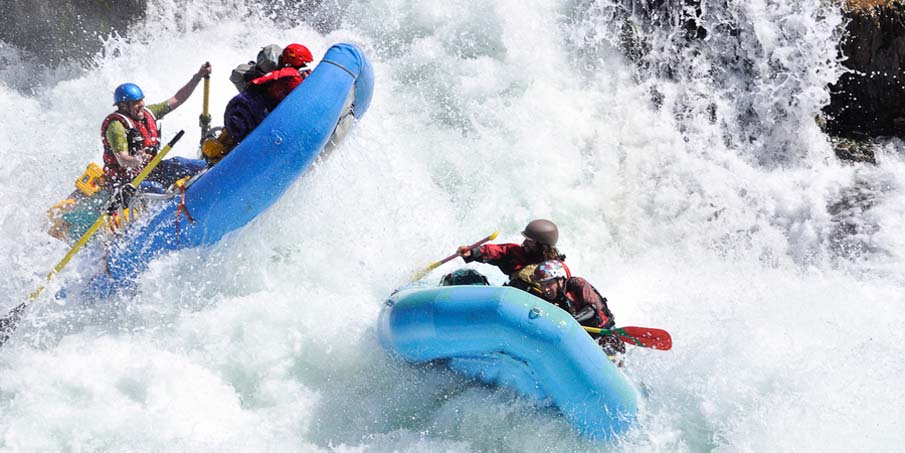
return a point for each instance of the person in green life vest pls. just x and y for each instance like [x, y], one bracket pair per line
[131, 138]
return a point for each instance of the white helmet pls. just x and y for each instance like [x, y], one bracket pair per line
[548, 270]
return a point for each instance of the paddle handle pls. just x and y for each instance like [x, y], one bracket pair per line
[205, 119]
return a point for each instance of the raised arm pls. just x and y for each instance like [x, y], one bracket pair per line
[183, 94]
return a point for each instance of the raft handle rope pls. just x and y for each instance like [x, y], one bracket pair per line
[354, 76]
[182, 208]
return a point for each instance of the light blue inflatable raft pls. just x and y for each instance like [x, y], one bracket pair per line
[504, 336]
[255, 174]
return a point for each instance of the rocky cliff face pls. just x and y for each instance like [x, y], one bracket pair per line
[870, 99]
[866, 102]
[54, 31]
[57, 31]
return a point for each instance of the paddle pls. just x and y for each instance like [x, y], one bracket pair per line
[646, 337]
[420, 274]
[10, 321]
[205, 119]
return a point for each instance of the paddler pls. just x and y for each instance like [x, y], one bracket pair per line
[518, 261]
[578, 297]
[261, 95]
[131, 137]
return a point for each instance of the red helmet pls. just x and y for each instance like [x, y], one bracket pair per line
[296, 55]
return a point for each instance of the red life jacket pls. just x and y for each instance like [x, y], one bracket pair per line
[281, 82]
[572, 300]
[141, 135]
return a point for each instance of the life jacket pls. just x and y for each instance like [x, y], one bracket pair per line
[523, 279]
[246, 110]
[604, 317]
[140, 135]
[281, 82]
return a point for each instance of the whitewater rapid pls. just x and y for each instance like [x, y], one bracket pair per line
[706, 216]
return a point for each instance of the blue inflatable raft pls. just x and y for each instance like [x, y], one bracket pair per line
[504, 336]
[255, 174]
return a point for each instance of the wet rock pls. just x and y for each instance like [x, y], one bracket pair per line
[55, 31]
[853, 150]
[870, 99]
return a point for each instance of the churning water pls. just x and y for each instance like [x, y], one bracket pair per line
[689, 179]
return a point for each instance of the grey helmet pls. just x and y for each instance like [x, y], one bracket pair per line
[543, 231]
[269, 58]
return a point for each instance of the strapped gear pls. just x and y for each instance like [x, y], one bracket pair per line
[464, 277]
[244, 112]
[268, 58]
[549, 270]
[542, 231]
[242, 74]
[217, 147]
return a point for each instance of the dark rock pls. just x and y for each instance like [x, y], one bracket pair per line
[870, 99]
[55, 31]
[855, 150]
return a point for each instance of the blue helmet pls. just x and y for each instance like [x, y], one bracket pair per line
[127, 92]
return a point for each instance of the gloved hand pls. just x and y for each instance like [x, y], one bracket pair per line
[121, 198]
[611, 345]
[585, 314]
[464, 251]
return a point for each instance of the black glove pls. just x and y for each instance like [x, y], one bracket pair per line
[611, 345]
[121, 198]
[585, 314]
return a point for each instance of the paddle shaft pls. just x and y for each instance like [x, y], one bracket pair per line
[205, 119]
[8, 322]
[457, 254]
[420, 274]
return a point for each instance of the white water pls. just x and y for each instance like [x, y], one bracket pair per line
[486, 114]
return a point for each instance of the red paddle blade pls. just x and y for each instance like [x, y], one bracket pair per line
[647, 337]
